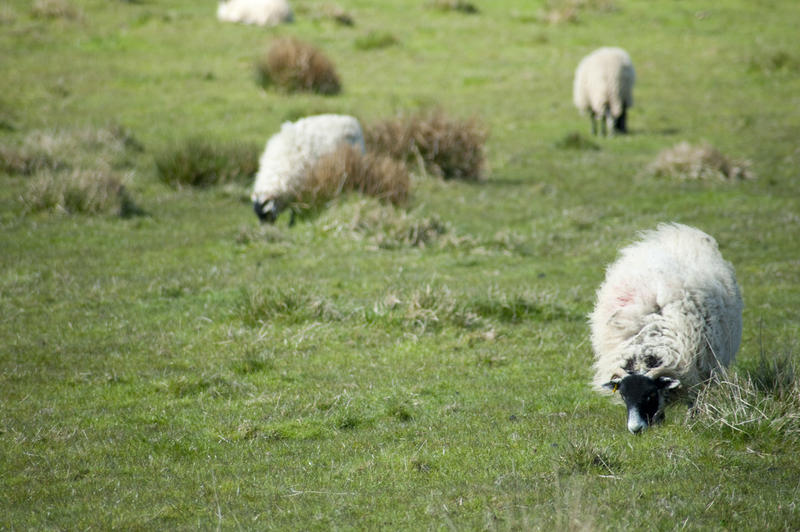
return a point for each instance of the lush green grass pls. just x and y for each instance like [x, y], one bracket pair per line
[373, 367]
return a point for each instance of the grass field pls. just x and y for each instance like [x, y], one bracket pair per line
[179, 366]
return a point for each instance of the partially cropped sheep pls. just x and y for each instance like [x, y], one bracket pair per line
[258, 12]
[603, 86]
[668, 315]
[292, 151]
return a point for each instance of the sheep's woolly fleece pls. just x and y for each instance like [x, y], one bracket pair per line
[289, 153]
[257, 12]
[669, 306]
[604, 78]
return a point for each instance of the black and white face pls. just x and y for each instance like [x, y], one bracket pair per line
[644, 398]
[267, 210]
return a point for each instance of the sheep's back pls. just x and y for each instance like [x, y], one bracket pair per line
[675, 276]
[604, 77]
[298, 145]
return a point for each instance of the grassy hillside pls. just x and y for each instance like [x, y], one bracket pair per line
[180, 366]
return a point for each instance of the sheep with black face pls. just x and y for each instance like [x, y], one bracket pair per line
[284, 166]
[668, 315]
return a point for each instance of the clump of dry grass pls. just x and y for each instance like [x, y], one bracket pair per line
[568, 11]
[198, 162]
[74, 171]
[385, 226]
[735, 404]
[54, 9]
[293, 65]
[454, 5]
[78, 192]
[103, 148]
[688, 162]
[337, 14]
[447, 147]
[7, 15]
[349, 170]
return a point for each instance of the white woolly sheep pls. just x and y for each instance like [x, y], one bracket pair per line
[668, 315]
[603, 86]
[289, 154]
[258, 12]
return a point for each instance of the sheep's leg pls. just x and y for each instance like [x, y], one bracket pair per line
[291, 218]
[621, 123]
[602, 119]
[593, 118]
[608, 122]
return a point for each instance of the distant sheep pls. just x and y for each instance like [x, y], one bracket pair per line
[668, 315]
[603, 86]
[257, 12]
[290, 153]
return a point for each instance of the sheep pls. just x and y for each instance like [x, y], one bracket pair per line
[257, 12]
[291, 152]
[667, 317]
[603, 86]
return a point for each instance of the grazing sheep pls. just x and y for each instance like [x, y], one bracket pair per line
[258, 12]
[292, 151]
[668, 315]
[604, 87]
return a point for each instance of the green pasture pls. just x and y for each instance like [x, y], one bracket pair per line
[181, 367]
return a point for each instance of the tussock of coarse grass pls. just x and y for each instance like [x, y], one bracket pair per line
[7, 14]
[349, 170]
[54, 9]
[444, 146]
[260, 306]
[576, 141]
[293, 66]
[460, 6]
[384, 226]
[735, 404]
[692, 162]
[88, 148]
[587, 457]
[776, 374]
[375, 40]
[333, 12]
[569, 11]
[199, 162]
[78, 192]
[774, 62]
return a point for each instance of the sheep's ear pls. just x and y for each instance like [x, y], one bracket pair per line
[667, 383]
[613, 384]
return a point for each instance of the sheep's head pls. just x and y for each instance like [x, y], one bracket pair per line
[645, 397]
[267, 210]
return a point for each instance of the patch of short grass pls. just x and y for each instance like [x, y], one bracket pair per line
[577, 141]
[375, 40]
[293, 65]
[460, 6]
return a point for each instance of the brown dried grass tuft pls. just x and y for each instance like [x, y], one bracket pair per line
[54, 9]
[349, 170]
[449, 148]
[569, 11]
[687, 162]
[736, 405]
[293, 66]
[78, 192]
